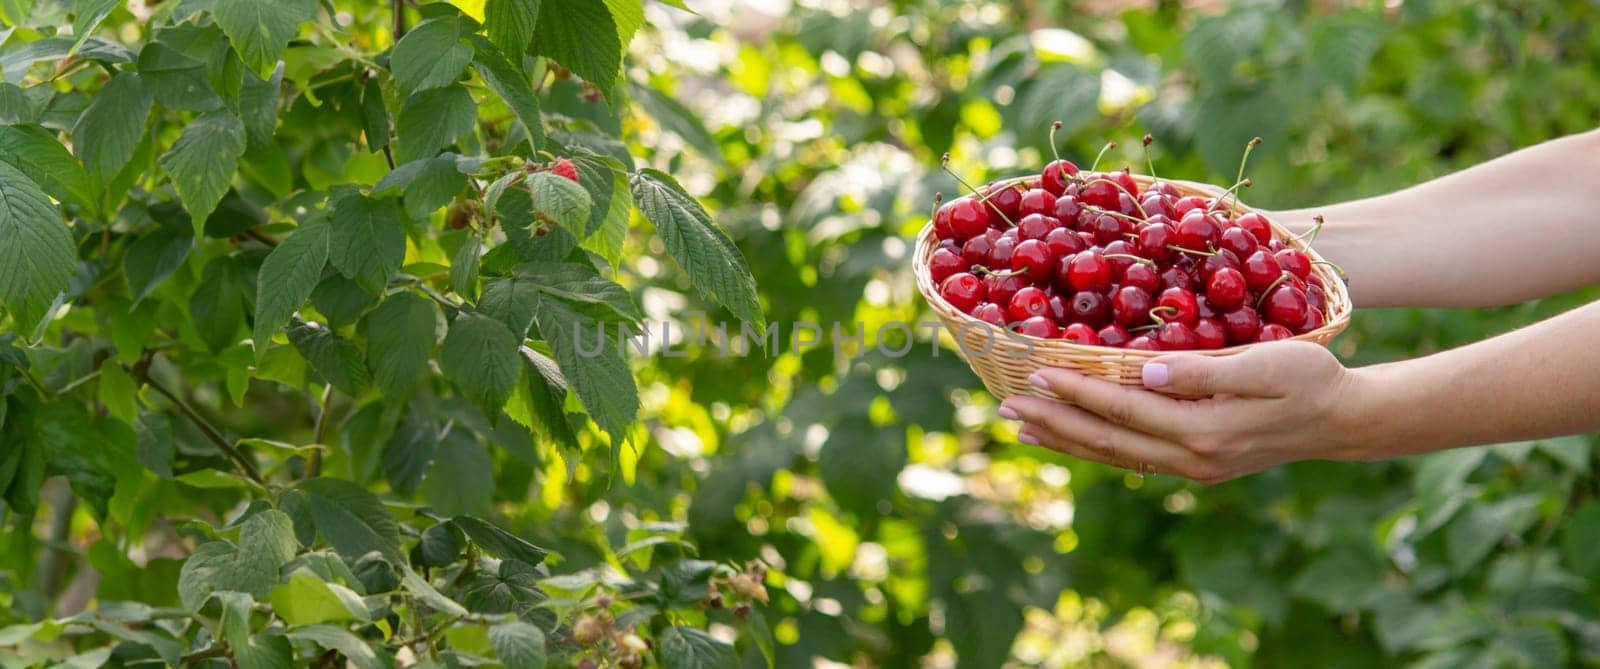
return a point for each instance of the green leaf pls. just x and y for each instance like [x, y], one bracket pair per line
[342, 300]
[560, 201]
[266, 543]
[685, 647]
[582, 36]
[1342, 47]
[440, 546]
[308, 600]
[202, 162]
[599, 374]
[366, 241]
[18, 105]
[219, 302]
[338, 360]
[118, 393]
[351, 519]
[36, 152]
[200, 572]
[629, 16]
[109, 131]
[1581, 541]
[613, 205]
[511, 23]
[432, 120]
[1471, 536]
[512, 301]
[287, 277]
[464, 267]
[461, 481]
[510, 83]
[409, 452]
[709, 257]
[499, 542]
[1064, 93]
[1232, 119]
[426, 184]
[154, 257]
[860, 463]
[374, 116]
[264, 651]
[1217, 44]
[424, 591]
[401, 333]
[86, 18]
[260, 30]
[680, 121]
[258, 105]
[518, 644]
[37, 252]
[338, 639]
[546, 396]
[480, 357]
[580, 283]
[431, 55]
[178, 81]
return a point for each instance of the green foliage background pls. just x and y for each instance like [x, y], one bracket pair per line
[901, 523]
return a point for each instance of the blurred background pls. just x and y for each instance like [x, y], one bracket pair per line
[906, 526]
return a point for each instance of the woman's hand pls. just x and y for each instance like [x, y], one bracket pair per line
[1271, 404]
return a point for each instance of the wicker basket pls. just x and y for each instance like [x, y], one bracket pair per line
[1004, 361]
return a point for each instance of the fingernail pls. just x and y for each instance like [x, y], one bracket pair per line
[1028, 439]
[1156, 375]
[1008, 413]
[1038, 381]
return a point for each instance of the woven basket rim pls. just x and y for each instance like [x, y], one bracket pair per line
[1337, 316]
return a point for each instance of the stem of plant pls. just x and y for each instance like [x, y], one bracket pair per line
[1148, 162]
[1310, 235]
[1132, 196]
[1232, 190]
[1114, 214]
[1137, 259]
[944, 164]
[211, 432]
[1053, 128]
[1248, 147]
[314, 466]
[1109, 146]
[1271, 287]
[1180, 249]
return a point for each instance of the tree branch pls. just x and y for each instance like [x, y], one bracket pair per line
[247, 465]
[314, 467]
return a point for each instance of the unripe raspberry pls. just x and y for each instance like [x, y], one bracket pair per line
[588, 630]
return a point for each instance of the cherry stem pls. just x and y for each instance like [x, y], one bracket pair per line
[1254, 142]
[1137, 259]
[1310, 235]
[1233, 190]
[1131, 196]
[1180, 249]
[938, 198]
[1149, 163]
[1114, 214]
[980, 269]
[1342, 275]
[944, 164]
[1281, 278]
[1053, 128]
[1159, 321]
[1109, 146]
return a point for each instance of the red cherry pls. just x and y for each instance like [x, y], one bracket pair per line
[1130, 306]
[1032, 257]
[1154, 204]
[1027, 303]
[1226, 288]
[1176, 337]
[978, 249]
[1067, 209]
[1121, 255]
[1064, 242]
[1126, 181]
[1313, 321]
[1294, 262]
[1165, 188]
[1037, 201]
[1079, 333]
[1260, 270]
[990, 313]
[1239, 241]
[1196, 232]
[1221, 259]
[949, 245]
[1175, 277]
[1038, 326]
[1089, 308]
[941, 221]
[1126, 204]
[1142, 276]
[1002, 288]
[1205, 308]
[1185, 205]
[1286, 306]
[1257, 226]
[1155, 237]
[1036, 226]
[1108, 228]
[1088, 271]
[1274, 332]
[1000, 254]
[1317, 299]
[1182, 306]
[1088, 237]
[963, 291]
[1142, 343]
[1099, 191]
[1113, 335]
[1005, 198]
[1209, 334]
[944, 264]
[1056, 175]
[1058, 308]
[968, 219]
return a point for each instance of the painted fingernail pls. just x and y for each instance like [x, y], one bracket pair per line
[1028, 438]
[1038, 381]
[1008, 413]
[1156, 375]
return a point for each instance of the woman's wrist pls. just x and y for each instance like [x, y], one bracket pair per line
[1370, 422]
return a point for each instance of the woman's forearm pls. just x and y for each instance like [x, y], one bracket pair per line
[1522, 226]
[1540, 381]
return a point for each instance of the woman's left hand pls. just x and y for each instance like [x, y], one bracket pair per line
[1271, 404]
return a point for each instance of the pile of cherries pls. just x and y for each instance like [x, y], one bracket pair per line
[1092, 258]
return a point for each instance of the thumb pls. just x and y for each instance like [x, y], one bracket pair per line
[1203, 375]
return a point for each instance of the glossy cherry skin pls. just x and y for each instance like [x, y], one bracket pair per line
[1155, 238]
[1088, 271]
[1058, 309]
[1317, 299]
[1175, 277]
[1089, 308]
[1067, 209]
[945, 264]
[1294, 262]
[1239, 241]
[1204, 306]
[978, 250]
[1257, 226]
[1037, 201]
[1130, 306]
[1064, 242]
[1196, 232]
[1039, 326]
[1036, 226]
[1002, 288]
[1125, 180]
[1181, 306]
[1027, 303]
[1286, 306]
[1155, 204]
[1274, 332]
[968, 218]
[963, 291]
[1220, 259]
[1002, 250]
[950, 245]
[941, 221]
[1056, 175]
[1184, 205]
[1121, 255]
[1099, 191]
[1142, 342]
[1226, 288]
[1113, 335]
[990, 313]
[1008, 199]
[1143, 276]
[1126, 204]
[1079, 333]
[1176, 337]
[1241, 325]
[1033, 259]
[1313, 321]
[1108, 228]
[1260, 270]
[1209, 334]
